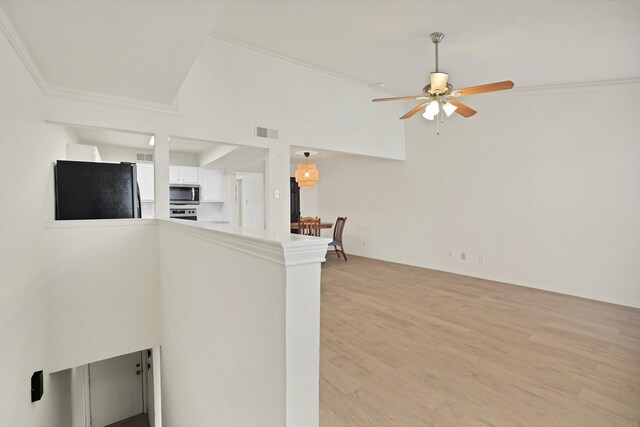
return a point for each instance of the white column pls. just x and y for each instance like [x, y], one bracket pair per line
[277, 215]
[161, 171]
[303, 344]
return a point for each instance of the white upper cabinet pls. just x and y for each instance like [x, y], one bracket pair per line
[183, 175]
[211, 181]
[211, 185]
[146, 181]
[189, 174]
[174, 174]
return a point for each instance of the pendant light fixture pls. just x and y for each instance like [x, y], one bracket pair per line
[307, 174]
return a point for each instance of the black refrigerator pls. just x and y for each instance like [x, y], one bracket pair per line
[89, 190]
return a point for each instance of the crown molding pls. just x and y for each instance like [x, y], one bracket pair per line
[297, 63]
[21, 51]
[578, 85]
[594, 85]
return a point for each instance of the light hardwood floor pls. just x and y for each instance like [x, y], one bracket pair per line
[141, 420]
[405, 346]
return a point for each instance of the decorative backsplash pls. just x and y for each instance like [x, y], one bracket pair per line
[207, 211]
[212, 211]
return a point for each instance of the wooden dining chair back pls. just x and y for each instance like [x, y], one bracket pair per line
[338, 229]
[309, 226]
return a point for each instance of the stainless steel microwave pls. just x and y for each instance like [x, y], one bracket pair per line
[184, 194]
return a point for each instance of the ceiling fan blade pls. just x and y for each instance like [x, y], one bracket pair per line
[415, 110]
[490, 87]
[462, 109]
[400, 98]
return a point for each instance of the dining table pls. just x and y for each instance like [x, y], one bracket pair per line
[294, 225]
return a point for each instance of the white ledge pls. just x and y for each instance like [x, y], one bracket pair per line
[281, 248]
[82, 223]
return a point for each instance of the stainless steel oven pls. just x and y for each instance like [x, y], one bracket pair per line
[190, 214]
[184, 194]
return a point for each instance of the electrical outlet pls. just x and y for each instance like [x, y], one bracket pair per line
[450, 253]
[481, 259]
[463, 256]
[277, 194]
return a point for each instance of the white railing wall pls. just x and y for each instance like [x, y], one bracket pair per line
[235, 313]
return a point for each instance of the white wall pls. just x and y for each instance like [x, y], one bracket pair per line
[183, 159]
[543, 184]
[28, 148]
[104, 290]
[231, 89]
[240, 345]
[110, 153]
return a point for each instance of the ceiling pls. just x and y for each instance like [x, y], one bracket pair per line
[533, 43]
[220, 156]
[112, 138]
[296, 153]
[191, 146]
[244, 158]
[144, 49]
[134, 49]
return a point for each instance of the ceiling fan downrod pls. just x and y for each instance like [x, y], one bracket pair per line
[436, 38]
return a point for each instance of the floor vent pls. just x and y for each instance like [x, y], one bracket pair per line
[144, 157]
[264, 132]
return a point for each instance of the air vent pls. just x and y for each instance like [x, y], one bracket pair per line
[144, 157]
[264, 132]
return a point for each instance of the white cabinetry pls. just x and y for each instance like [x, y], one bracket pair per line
[183, 175]
[146, 181]
[211, 185]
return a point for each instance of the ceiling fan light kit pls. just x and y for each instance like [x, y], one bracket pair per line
[438, 94]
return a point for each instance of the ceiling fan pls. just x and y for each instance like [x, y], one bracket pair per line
[439, 94]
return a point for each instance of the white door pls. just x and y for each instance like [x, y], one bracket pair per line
[115, 387]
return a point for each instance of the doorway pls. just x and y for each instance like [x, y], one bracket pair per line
[250, 191]
[117, 389]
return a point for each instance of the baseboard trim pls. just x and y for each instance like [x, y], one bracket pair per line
[525, 285]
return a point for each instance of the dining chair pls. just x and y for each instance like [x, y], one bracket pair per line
[309, 226]
[338, 247]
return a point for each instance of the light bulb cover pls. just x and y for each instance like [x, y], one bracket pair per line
[449, 108]
[431, 110]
